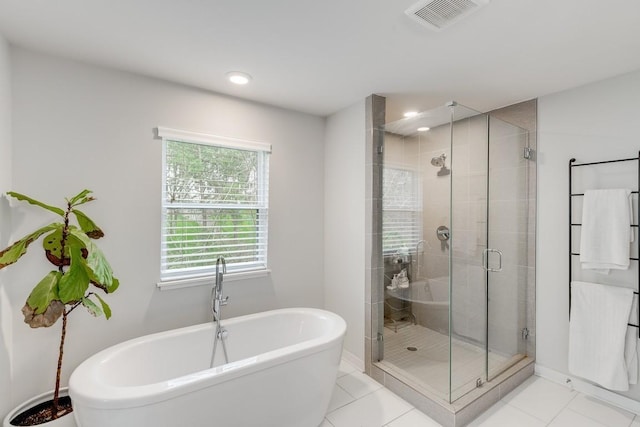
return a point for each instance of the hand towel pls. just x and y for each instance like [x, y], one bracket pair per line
[606, 230]
[598, 335]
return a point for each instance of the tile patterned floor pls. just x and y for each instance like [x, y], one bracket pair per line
[359, 401]
[431, 359]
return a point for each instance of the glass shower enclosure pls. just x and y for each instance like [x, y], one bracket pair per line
[457, 249]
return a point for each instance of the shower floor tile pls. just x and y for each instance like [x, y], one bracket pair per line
[428, 364]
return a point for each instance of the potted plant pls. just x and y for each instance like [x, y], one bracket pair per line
[80, 274]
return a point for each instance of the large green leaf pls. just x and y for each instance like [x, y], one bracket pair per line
[96, 261]
[81, 198]
[11, 254]
[87, 225]
[105, 307]
[44, 292]
[93, 308]
[98, 267]
[74, 283]
[28, 199]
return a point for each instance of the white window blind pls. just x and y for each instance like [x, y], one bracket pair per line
[215, 201]
[401, 209]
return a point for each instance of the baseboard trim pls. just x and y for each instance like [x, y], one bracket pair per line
[353, 359]
[589, 389]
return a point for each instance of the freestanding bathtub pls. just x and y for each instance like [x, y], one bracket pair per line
[429, 302]
[281, 372]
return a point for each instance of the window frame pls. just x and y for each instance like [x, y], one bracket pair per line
[206, 275]
[415, 209]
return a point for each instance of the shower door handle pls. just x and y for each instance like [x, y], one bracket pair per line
[485, 260]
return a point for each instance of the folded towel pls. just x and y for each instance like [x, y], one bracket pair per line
[606, 230]
[598, 340]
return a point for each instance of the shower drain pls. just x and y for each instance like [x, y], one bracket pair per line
[412, 348]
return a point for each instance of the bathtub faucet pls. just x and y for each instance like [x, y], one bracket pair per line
[417, 260]
[218, 299]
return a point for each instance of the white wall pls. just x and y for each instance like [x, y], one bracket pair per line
[344, 216]
[5, 184]
[591, 123]
[79, 126]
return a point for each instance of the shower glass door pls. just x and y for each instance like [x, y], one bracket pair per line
[510, 233]
[468, 309]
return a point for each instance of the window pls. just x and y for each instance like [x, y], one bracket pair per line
[214, 203]
[401, 209]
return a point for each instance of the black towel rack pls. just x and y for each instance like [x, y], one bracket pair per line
[573, 164]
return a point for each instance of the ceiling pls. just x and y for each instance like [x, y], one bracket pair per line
[321, 56]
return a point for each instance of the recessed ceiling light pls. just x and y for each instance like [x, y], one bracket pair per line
[238, 77]
[410, 114]
[423, 129]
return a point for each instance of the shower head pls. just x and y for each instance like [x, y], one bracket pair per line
[439, 161]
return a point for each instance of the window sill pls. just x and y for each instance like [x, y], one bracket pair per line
[210, 279]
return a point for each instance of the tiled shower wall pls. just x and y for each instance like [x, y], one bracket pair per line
[374, 265]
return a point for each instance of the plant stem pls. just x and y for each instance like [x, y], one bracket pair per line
[56, 390]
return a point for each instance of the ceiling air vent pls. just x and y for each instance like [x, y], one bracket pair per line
[440, 14]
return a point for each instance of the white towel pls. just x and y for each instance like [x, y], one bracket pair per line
[598, 339]
[606, 230]
[631, 354]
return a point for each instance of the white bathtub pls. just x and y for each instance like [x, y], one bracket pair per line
[282, 369]
[429, 302]
[432, 309]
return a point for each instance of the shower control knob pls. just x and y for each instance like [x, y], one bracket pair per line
[443, 233]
